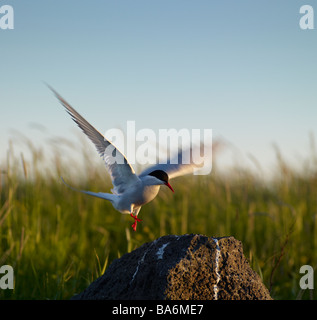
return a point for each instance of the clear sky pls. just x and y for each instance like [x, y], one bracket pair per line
[245, 69]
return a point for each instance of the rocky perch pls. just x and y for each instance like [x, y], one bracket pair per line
[184, 267]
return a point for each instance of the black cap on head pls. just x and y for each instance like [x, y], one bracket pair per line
[160, 174]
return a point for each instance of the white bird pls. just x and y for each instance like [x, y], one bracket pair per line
[130, 191]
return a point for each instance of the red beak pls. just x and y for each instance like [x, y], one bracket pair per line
[167, 184]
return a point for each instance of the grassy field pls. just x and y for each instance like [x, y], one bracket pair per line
[58, 241]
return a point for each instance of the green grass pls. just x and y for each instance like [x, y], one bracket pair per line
[58, 241]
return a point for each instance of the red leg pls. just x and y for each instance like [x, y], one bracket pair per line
[136, 220]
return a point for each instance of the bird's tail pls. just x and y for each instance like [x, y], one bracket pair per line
[106, 196]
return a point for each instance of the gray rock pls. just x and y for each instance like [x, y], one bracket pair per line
[180, 268]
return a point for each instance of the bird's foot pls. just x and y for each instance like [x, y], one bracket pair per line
[136, 220]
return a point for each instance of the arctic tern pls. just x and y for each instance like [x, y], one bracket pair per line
[130, 191]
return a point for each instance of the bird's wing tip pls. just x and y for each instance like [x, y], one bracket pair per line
[53, 90]
[49, 86]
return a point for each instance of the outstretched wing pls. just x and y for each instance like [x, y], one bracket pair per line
[121, 172]
[183, 163]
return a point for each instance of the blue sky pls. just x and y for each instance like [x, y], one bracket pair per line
[242, 68]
